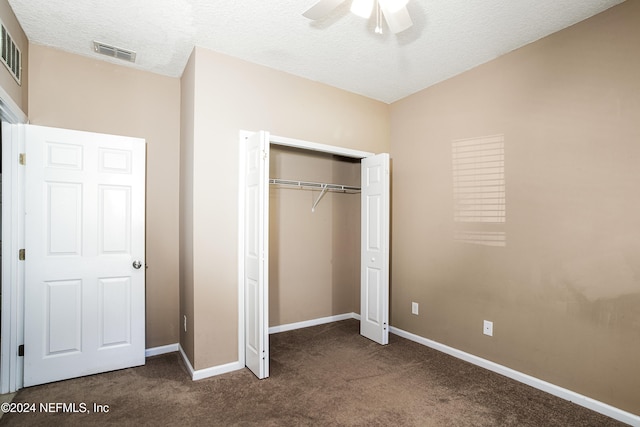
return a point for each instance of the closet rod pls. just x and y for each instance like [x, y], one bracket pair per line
[315, 185]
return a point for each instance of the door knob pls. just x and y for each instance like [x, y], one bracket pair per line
[137, 264]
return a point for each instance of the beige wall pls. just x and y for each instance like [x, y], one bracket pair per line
[18, 93]
[563, 294]
[314, 264]
[74, 92]
[231, 95]
[187, 117]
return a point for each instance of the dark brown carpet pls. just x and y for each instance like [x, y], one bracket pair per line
[321, 376]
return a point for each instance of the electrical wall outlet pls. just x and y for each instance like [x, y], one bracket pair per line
[488, 328]
[185, 323]
[414, 308]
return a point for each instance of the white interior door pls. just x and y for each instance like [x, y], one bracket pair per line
[85, 248]
[256, 251]
[374, 271]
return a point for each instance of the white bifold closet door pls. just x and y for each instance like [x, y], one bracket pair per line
[256, 254]
[374, 261]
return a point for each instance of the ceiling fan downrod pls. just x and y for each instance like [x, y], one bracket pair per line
[378, 29]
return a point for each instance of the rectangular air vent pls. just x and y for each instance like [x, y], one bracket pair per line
[11, 56]
[114, 52]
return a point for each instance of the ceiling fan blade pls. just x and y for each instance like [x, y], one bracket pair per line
[321, 9]
[398, 20]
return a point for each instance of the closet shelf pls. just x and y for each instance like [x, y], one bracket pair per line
[315, 185]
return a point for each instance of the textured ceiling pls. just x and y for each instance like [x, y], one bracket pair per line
[447, 38]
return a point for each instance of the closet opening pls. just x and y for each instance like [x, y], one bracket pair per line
[321, 242]
[314, 237]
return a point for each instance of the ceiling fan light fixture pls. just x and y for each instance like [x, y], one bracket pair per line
[394, 12]
[398, 20]
[393, 6]
[362, 8]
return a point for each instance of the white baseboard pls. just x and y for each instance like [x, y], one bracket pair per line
[578, 399]
[313, 322]
[209, 372]
[155, 351]
[234, 366]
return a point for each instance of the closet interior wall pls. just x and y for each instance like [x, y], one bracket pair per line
[314, 257]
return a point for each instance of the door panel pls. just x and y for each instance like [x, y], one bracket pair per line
[84, 227]
[114, 219]
[63, 208]
[114, 302]
[64, 316]
[374, 309]
[256, 276]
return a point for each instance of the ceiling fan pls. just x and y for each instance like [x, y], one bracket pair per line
[394, 11]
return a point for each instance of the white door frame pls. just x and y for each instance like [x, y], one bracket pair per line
[276, 140]
[12, 235]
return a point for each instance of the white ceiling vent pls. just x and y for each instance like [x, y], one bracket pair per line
[114, 52]
[10, 54]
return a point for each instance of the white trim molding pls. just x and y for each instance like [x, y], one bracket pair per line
[314, 146]
[163, 349]
[313, 322]
[201, 374]
[578, 399]
[11, 366]
[10, 111]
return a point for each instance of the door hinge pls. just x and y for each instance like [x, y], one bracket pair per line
[22, 159]
[21, 254]
[21, 350]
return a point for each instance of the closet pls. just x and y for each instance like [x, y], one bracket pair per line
[314, 235]
[323, 254]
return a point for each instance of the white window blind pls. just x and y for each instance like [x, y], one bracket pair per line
[478, 180]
